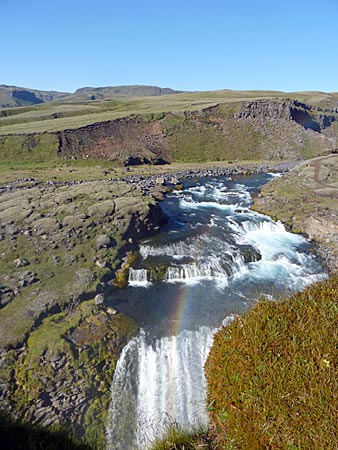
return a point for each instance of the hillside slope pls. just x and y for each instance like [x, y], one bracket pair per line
[277, 128]
[272, 374]
[307, 200]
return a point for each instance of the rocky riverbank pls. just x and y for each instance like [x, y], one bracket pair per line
[306, 200]
[60, 246]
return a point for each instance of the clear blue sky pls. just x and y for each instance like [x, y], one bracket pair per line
[62, 45]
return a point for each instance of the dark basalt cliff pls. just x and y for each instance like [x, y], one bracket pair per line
[289, 110]
[130, 140]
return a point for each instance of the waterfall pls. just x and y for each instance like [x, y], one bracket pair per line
[156, 382]
[192, 272]
[138, 277]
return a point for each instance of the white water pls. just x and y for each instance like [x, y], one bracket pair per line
[207, 270]
[166, 383]
[138, 277]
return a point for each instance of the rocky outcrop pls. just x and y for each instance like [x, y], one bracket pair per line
[289, 110]
[260, 129]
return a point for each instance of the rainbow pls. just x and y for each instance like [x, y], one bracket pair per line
[182, 302]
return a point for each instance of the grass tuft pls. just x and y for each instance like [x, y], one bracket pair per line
[177, 438]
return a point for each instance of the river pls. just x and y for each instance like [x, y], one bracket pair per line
[214, 258]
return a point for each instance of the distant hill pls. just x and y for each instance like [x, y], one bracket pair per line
[13, 96]
[100, 93]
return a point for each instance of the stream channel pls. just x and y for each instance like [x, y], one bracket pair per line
[213, 259]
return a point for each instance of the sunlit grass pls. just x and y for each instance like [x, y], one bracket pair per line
[72, 113]
[176, 438]
[272, 374]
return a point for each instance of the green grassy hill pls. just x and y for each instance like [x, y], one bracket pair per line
[76, 110]
[197, 126]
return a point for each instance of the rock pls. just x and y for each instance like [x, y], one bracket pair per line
[173, 180]
[75, 221]
[160, 180]
[84, 276]
[111, 311]
[101, 264]
[46, 225]
[126, 206]
[102, 209]
[14, 214]
[21, 262]
[99, 299]
[56, 259]
[26, 278]
[103, 241]
[6, 295]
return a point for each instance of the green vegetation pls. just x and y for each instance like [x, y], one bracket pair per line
[176, 438]
[194, 137]
[272, 374]
[60, 247]
[85, 344]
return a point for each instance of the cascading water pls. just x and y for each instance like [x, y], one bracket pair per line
[138, 277]
[213, 259]
[174, 364]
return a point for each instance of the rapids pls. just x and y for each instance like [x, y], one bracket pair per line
[213, 259]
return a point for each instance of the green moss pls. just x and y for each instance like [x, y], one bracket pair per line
[159, 272]
[102, 339]
[32, 148]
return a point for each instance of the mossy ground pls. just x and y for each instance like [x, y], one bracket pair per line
[59, 350]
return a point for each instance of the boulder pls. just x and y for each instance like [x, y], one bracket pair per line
[160, 180]
[103, 241]
[102, 209]
[101, 264]
[21, 262]
[99, 299]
